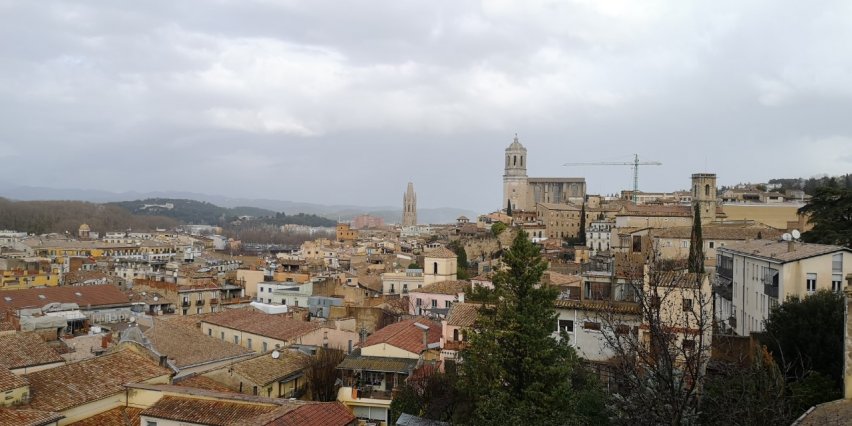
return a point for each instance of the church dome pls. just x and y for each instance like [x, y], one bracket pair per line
[516, 145]
[84, 228]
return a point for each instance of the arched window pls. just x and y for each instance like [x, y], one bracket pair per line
[435, 268]
[514, 160]
[507, 161]
[456, 335]
[522, 161]
[695, 191]
[707, 190]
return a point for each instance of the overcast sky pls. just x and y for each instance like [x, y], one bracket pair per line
[344, 102]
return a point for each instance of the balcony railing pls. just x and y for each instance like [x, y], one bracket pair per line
[185, 303]
[199, 302]
[214, 301]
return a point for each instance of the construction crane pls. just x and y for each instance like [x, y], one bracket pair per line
[635, 163]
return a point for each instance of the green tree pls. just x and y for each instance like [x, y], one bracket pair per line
[696, 244]
[497, 228]
[581, 240]
[429, 394]
[462, 265]
[514, 370]
[805, 337]
[830, 213]
[509, 208]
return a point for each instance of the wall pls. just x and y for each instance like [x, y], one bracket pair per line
[387, 351]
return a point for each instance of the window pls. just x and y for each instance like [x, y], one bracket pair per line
[622, 329]
[209, 331]
[655, 301]
[836, 283]
[249, 342]
[236, 340]
[223, 335]
[393, 288]
[689, 345]
[150, 423]
[434, 303]
[687, 305]
[684, 244]
[811, 282]
[837, 263]
[592, 326]
[712, 244]
[566, 326]
[447, 303]
[435, 268]
[265, 346]
[419, 301]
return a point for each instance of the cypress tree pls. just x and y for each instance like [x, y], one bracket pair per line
[509, 207]
[696, 244]
[582, 237]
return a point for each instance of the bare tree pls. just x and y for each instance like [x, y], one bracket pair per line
[659, 365]
[322, 374]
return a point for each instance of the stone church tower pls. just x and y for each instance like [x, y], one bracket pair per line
[704, 194]
[409, 207]
[515, 176]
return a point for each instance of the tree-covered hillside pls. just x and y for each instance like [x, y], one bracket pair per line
[40, 217]
[200, 212]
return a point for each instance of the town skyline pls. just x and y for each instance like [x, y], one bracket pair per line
[242, 97]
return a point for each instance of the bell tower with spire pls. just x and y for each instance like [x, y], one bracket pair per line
[409, 207]
[515, 176]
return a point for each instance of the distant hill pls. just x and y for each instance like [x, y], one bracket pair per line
[202, 212]
[42, 217]
[391, 214]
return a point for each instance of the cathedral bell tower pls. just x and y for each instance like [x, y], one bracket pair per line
[704, 194]
[515, 176]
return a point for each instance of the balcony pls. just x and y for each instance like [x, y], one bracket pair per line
[199, 302]
[214, 301]
[185, 304]
[236, 300]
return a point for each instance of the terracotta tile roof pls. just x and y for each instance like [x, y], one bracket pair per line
[557, 279]
[187, 346]
[721, 232]
[441, 253]
[119, 416]
[84, 296]
[599, 305]
[78, 383]
[24, 417]
[463, 314]
[9, 380]
[203, 382]
[836, 412]
[661, 211]
[256, 322]
[779, 250]
[316, 414]
[406, 335]
[371, 282]
[355, 361]
[205, 411]
[264, 369]
[445, 287]
[26, 350]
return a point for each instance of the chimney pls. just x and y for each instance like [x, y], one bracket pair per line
[791, 246]
[847, 342]
[164, 361]
[426, 338]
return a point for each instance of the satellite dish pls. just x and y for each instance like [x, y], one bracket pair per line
[796, 234]
[276, 354]
[156, 298]
[132, 319]
[787, 237]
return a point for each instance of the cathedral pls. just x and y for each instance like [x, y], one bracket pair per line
[524, 193]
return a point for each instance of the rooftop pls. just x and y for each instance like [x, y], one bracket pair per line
[9, 380]
[739, 231]
[355, 361]
[253, 321]
[205, 411]
[600, 306]
[445, 287]
[78, 383]
[187, 346]
[83, 296]
[24, 417]
[26, 350]
[781, 250]
[653, 210]
[441, 253]
[119, 416]
[265, 369]
[203, 382]
[406, 335]
[463, 314]
[312, 414]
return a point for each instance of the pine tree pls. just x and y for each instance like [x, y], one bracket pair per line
[696, 244]
[515, 371]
